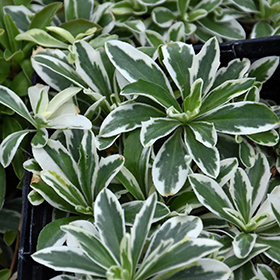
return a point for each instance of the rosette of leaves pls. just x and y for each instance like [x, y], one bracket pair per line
[261, 16]
[59, 113]
[203, 107]
[249, 207]
[173, 252]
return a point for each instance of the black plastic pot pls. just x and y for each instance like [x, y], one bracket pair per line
[35, 218]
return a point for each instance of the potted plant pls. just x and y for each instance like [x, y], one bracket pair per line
[135, 165]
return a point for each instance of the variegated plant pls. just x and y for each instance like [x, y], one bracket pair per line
[59, 113]
[197, 104]
[107, 250]
[251, 213]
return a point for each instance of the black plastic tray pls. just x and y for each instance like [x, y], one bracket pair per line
[35, 218]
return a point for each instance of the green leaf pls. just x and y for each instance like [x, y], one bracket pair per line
[9, 224]
[163, 17]
[154, 38]
[227, 169]
[42, 38]
[109, 218]
[135, 65]
[152, 91]
[268, 138]
[183, 6]
[35, 198]
[266, 271]
[126, 118]
[43, 18]
[170, 167]
[248, 6]
[108, 169]
[91, 246]
[207, 159]
[58, 258]
[141, 228]
[205, 64]
[2, 186]
[274, 203]
[176, 32]
[74, 9]
[89, 65]
[224, 93]
[273, 252]
[231, 29]
[241, 192]
[131, 208]
[157, 128]
[264, 68]
[130, 183]
[5, 274]
[195, 15]
[151, 2]
[243, 243]
[10, 145]
[137, 159]
[246, 153]
[207, 5]
[242, 118]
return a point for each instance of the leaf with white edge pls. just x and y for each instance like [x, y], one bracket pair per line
[248, 6]
[137, 159]
[205, 64]
[88, 165]
[234, 263]
[192, 102]
[40, 139]
[241, 192]
[275, 206]
[126, 118]
[157, 128]
[154, 38]
[264, 68]
[236, 69]
[141, 227]
[242, 118]
[253, 94]
[152, 91]
[66, 277]
[50, 195]
[2, 186]
[224, 93]
[261, 29]
[108, 169]
[42, 38]
[12, 100]
[35, 198]
[266, 271]
[163, 17]
[207, 159]
[176, 32]
[68, 259]
[246, 153]
[73, 139]
[10, 145]
[74, 9]
[64, 188]
[231, 29]
[135, 65]
[90, 67]
[91, 246]
[273, 252]
[209, 269]
[52, 235]
[227, 169]
[207, 5]
[65, 34]
[211, 195]
[56, 69]
[151, 2]
[109, 218]
[170, 167]
[243, 244]
[69, 121]
[259, 176]
[131, 208]
[130, 183]
[205, 133]
[38, 96]
[179, 228]
[104, 143]
[176, 256]
[268, 138]
[55, 157]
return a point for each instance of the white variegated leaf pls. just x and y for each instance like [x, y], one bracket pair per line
[243, 244]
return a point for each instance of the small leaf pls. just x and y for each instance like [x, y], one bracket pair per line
[243, 243]
[163, 17]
